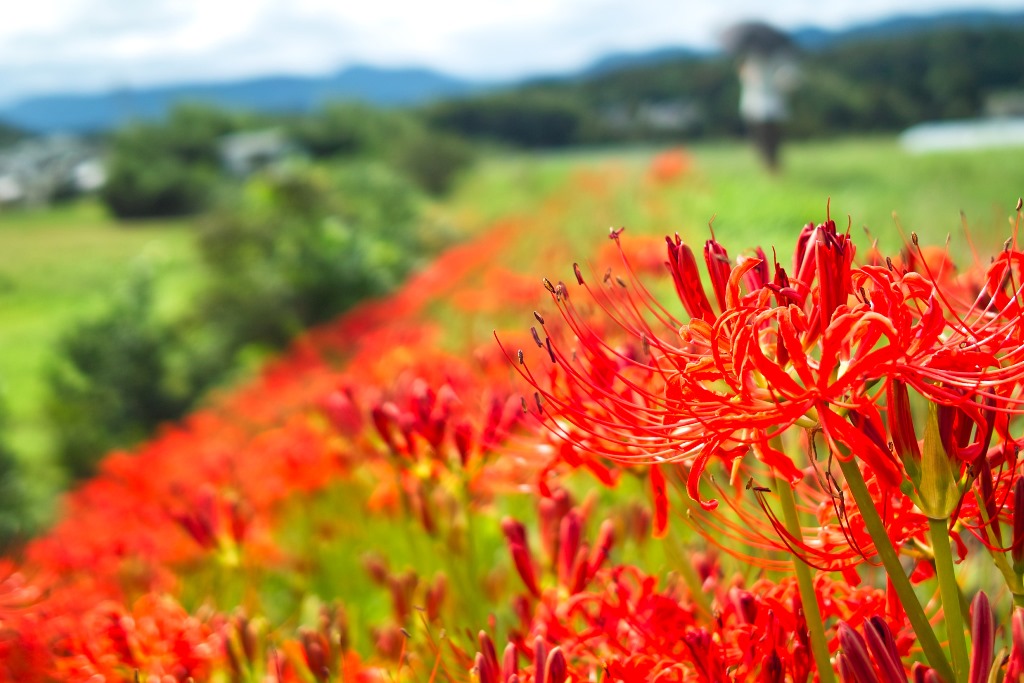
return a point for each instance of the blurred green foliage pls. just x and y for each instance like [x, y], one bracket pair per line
[10, 134]
[528, 118]
[174, 167]
[890, 83]
[881, 83]
[117, 377]
[298, 246]
[434, 160]
[13, 510]
[169, 168]
[350, 129]
[290, 248]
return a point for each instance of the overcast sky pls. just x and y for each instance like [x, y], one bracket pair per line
[87, 45]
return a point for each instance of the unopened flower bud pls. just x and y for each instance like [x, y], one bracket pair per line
[686, 278]
[883, 648]
[556, 669]
[540, 658]
[1017, 549]
[719, 268]
[487, 658]
[515, 533]
[602, 548]
[568, 544]
[510, 662]
[858, 662]
[983, 634]
[901, 427]
[483, 673]
[772, 670]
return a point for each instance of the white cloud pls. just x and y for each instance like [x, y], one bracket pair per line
[48, 45]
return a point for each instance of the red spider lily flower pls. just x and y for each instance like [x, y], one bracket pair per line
[821, 347]
[669, 165]
[156, 637]
[772, 354]
[624, 625]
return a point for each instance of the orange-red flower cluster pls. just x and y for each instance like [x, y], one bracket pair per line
[828, 346]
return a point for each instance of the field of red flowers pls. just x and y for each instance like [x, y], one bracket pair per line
[785, 464]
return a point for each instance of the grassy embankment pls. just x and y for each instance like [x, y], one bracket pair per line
[62, 264]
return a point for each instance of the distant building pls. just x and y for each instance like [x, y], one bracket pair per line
[940, 136]
[41, 170]
[675, 116]
[1001, 126]
[244, 153]
[1005, 104]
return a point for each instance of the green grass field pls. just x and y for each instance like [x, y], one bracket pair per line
[868, 180]
[60, 265]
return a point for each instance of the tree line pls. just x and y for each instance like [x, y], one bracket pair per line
[880, 84]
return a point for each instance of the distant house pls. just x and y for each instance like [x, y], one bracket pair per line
[940, 136]
[244, 153]
[675, 116]
[1008, 104]
[41, 170]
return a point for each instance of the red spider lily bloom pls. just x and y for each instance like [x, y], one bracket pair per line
[822, 348]
[624, 624]
[773, 353]
[156, 637]
[833, 538]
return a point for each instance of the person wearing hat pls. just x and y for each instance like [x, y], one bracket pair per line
[768, 73]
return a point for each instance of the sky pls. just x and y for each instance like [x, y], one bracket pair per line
[49, 46]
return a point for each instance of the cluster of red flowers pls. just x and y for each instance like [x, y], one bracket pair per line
[779, 376]
[210, 553]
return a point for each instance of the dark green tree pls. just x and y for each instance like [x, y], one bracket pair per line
[117, 378]
[298, 247]
[168, 168]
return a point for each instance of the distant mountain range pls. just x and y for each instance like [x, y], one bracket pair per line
[87, 113]
[393, 87]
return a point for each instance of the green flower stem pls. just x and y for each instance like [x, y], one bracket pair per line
[804, 580]
[949, 592]
[891, 561]
[692, 580]
[1013, 582]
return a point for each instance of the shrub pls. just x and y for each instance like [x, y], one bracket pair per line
[433, 160]
[168, 168]
[12, 499]
[350, 129]
[116, 379]
[526, 119]
[140, 187]
[298, 247]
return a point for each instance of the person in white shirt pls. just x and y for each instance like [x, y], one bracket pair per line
[766, 80]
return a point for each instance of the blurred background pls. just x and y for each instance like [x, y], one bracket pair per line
[185, 186]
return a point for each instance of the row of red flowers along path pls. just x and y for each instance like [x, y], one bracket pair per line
[95, 595]
[437, 443]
